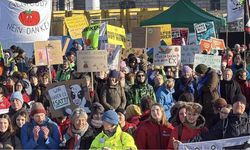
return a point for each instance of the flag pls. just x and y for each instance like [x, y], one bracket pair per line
[246, 17]
[1, 53]
[235, 10]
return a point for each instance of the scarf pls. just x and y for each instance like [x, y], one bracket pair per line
[78, 134]
[4, 136]
[96, 123]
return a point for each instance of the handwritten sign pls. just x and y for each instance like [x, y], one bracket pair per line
[205, 46]
[166, 33]
[116, 35]
[75, 25]
[188, 52]
[92, 61]
[204, 30]
[209, 60]
[178, 34]
[218, 44]
[59, 97]
[167, 55]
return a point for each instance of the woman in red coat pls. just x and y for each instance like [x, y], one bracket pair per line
[20, 86]
[192, 126]
[155, 132]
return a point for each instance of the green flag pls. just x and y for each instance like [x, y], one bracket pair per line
[91, 36]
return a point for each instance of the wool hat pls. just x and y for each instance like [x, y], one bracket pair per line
[96, 108]
[114, 74]
[240, 98]
[186, 69]
[220, 103]
[133, 110]
[110, 116]
[201, 69]
[36, 108]
[17, 95]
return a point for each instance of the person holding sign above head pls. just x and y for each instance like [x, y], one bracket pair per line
[41, 132]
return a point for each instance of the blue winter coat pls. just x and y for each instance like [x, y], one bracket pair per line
[164, 96]
[27, 137]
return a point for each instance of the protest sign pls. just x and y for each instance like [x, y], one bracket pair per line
[205, 46]
[167, 55]
[4, 111]
[218, 44]
[139, 37]
[204, 30]
[90, 36]
[51, 50]
[188, 52]
[192, 39]
[235, 10]
[220, 144]
[92, 61]
[209, 60]
[178, 34]
[68, 95]
[75, 25]
[166, 34]
[25, 23]
[116, 35]
[113, 56]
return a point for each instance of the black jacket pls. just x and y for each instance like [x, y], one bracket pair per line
[228, 89]
[10, 140]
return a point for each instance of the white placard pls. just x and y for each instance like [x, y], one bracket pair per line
[188, 52]
[167, 55]
[209, 60]
[59, 97]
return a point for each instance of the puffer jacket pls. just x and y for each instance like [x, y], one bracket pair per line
[184, 132]
[120, 140]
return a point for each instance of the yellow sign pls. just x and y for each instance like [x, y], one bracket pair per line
[116, 35]
[166, 34]
[75, 25]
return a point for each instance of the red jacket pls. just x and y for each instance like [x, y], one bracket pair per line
[150, 135]
[134, 120]
[5, 103]
[26, 98]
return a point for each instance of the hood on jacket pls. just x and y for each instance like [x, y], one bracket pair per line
[200, 123]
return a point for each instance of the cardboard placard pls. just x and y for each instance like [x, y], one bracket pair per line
[54, 52]
[204, 30]
[218, 44]
[178, 34]
[75, 25]
[209, 60]
[116, 35]
[92, 61]
[188, 52]
[139, 37]
[166, 33]
[167, 55]
[68, 95]
[205, 46]
[113, 56]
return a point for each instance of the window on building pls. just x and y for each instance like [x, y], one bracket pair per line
[215, 4]
[69, 4]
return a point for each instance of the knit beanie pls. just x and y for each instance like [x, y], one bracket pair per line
[186, 69]
[240, 98]
[36, 108]
[17, 95]
[114, 74]
[220, 103]
[201, 69]
[133, 110]
[110, 116]
[96, 108]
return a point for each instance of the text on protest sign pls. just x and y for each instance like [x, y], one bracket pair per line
[25, 23]
[209, 60]
[54, 52]
[204, 30]
[178, 34]
[218, 44]
[166, 33]
[75, 25]
[90, 36]
[167, 55]
[188, 52]
[116, 35]
[92, 61]
[206, 46]
[59, 97]
[235, 10]
[113, 56]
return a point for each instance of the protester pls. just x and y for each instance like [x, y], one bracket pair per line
[64, 73]
[36, 92]
[18, 121]
[158, 82]
[112, 136]
[126, 126]
[133, 114]
[41, 132]
[155, 132]
[178, 113]
[95, 119]
[8, 140]
[101, 81]
[146, 104]
[224, 112]
[20, 86]
[16, 104]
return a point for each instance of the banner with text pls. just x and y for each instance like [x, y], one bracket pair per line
[188, 52]
[68, 95]
[90, 36]
[92, 61]
[167, 55]
[209, 60]
[75, 25]
[204, 31]
[116, 35]
[25, 23]
[235, 10]
[178, 34]
[222, 144]
[166, 33]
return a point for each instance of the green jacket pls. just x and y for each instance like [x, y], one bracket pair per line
[119, 141]
[138, 91]
[63, 75]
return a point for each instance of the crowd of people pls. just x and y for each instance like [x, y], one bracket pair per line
[138, 106]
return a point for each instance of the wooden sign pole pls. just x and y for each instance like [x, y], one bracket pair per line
[48, 63]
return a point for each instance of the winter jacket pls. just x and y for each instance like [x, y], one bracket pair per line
[120, 140]
[35, 94]
[151, 135]
[27, 136]
[138, 91]
[100, 84]
[113, 97]
[181, 86]
[63, 75]
[5, 103]
[164, 96]
[184, 132]
[228, 89]
[245, 89]
[129, 128]
[10, 140]
[86, 140]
